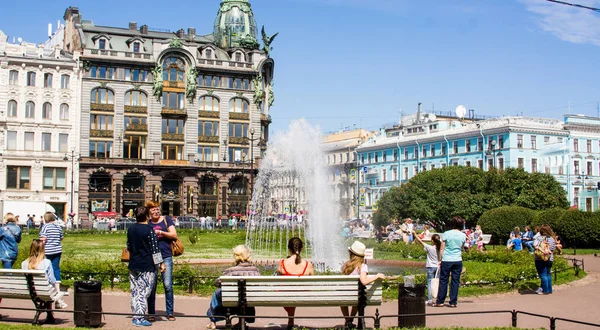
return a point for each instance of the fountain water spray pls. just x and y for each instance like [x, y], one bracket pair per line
[292, 178]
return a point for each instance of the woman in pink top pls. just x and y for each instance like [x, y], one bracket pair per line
[293, 265]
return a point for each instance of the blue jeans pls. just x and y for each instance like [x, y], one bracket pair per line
[430, 275]
[55, 260]
[528, 245]
[449, 268]
[7, 264]
[167, 279]
[543, 268]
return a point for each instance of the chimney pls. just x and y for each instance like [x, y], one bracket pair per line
[144, 29]
[191, 33]
[133, 26]
[180, 33]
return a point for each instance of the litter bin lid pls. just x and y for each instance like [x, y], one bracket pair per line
[412, 291]
[90, 286]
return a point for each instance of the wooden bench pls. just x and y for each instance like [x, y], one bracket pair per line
[295, 291]
[28, 284]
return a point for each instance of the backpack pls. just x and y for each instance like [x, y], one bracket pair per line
[542, 251]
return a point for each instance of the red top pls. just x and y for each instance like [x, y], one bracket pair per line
[286, 273]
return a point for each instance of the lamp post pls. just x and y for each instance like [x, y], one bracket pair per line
[251, 139]
[66, 158]
[492, 152]
[582, 176]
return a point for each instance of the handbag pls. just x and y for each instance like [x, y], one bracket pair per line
[125, 255]
[176, 244]
[435, 284]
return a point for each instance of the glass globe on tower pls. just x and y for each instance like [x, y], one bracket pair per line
[235, 25]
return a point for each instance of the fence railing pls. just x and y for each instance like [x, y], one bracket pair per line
[377, 318]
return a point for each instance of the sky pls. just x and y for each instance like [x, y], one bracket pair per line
[361, 63]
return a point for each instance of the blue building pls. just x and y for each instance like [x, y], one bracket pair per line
[569, 150]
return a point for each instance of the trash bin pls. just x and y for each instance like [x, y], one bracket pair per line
[88, 295]
[411, 300]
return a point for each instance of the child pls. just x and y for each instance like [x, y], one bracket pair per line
[357, 266]
[433, 260]
[37, 260]
[480, 244]
[516, 243]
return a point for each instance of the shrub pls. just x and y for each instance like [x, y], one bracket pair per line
[550, 217]
[580, 229]
[501, 221]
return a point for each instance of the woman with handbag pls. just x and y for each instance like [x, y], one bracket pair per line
[432, 265]
[165, 230]
[144, 258]
[544, 246]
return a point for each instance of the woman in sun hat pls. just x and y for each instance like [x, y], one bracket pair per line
[357, 266]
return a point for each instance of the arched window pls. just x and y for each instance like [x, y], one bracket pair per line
[12, 108]
[102, 96]
[239, 105]
[136, 98]
[47, 111]
[173, 69]
[209, 103]
[29, 109]
[64, 111]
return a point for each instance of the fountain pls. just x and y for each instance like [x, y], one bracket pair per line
[292, 178]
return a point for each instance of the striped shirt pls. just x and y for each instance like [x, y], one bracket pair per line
[53, 234]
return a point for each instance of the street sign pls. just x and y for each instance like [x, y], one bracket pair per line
[353, 175]
[365, 169]
[362, 191]
[368, 253]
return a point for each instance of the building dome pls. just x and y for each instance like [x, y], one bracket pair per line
[235, 25]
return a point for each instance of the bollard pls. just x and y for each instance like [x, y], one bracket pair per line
[552, 323]
[191, 285]
[514, 318]
[112, 278]
[377, 324]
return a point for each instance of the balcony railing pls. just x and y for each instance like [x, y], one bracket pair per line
[117, 54]
[137, 127]
[102, 107]
[136, 109]
[238, 140]
[244, 65]
[172, 137]
[208, 139]
[208, 114]
[100, 133]
[174, 84]
[239, 115]
[173, 112]
[115, 161]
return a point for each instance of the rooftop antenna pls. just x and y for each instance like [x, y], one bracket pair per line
[49, 30]
[460, 111]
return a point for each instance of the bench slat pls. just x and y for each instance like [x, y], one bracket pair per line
[273, 288]
[294, 295]
[300, 301]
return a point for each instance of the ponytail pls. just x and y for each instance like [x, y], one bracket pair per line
[295, 246]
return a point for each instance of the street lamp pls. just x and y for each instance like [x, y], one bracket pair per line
[251, 139]
[492, 152]
[582, 176]
[66, 158]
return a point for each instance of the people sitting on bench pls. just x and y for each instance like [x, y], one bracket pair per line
[37, 260]
[243, 267]
[357, 266]
[293, 265]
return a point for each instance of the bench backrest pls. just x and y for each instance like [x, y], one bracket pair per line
[292, 291]
[486, 238]
[14, 283]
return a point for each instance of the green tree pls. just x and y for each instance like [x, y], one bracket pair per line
[437, 195]
[502, 220]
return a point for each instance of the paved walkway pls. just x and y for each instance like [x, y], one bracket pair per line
[578, 300]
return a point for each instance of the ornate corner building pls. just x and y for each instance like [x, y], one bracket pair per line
[175, 117]
[39, 112]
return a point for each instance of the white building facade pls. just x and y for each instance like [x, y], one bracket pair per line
[39, 116]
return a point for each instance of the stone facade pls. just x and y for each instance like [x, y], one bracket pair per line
[39, 112]
[173, 117]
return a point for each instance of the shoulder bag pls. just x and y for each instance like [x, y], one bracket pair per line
[125, 255]
[435, 284]
[176, 244]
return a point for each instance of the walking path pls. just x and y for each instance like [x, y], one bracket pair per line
[577, 300]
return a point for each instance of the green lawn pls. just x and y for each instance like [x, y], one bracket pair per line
[88, 256]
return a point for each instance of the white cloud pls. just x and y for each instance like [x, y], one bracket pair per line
[568, 23]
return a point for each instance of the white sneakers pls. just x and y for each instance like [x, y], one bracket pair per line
[539, 290]
[60, 304]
